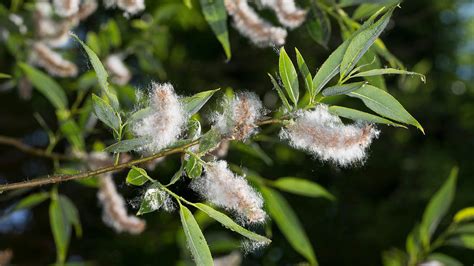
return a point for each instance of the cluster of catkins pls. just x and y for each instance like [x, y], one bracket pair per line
[114, 209]
[53, 23]
[259, 31]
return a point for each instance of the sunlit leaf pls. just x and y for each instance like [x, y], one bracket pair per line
[194, 103]
[304, 71]
[282, 96]
[286, 219]
[342, 89]
[465, 214]
[136, 176]
[384, 104]
[289, 76]
[105, 113]
[153, 198]
[196, 242]
[302, 187]
[357, 115]
[388, 71]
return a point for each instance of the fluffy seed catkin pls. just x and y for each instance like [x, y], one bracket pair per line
[51, 61]
[66, 8]
[240, 115]
[118, 70]
[249, 24]
[287, 12]
[325, 136]
[164, 124]
[231, 192]
[131, 7]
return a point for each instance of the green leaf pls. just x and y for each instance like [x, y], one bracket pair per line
[177, 175]
[388, 71]
[444, 259]
[72, 214]
[289, 76]
[280, 93]
[196, 242]
[318, 25]
[370, 60]
[209, 140]
[153, 198]
[308, 79]
[61, 228]
[230, 224]
[31, 201]
[102, 75]
[127, 145]
[5, 76]
[438, 206]
[361, 42]
[193, 167]
[329, 68]
[106, 113]
[384, 104]
[216, 16]
[343, 89]
[194, 103]
[465, 241]
[463, 215]
[73, 133]
[464, 229]
[302, 187]
[357, 115]
[286, 219]
[46, 86]
[137, 176]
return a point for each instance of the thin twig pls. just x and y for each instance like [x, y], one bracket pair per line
[31, 150]
[62, 178]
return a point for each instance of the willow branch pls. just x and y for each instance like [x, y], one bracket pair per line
[62, 178]
[31, 150]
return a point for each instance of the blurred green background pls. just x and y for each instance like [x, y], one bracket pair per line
[378, 203]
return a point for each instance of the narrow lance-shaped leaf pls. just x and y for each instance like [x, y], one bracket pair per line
[195, 239]
[444, 259]
[438, 206]
[388, 71]
[61, 228]
[343, 89]
[31, 200]
[289, 76]
[194, 103]
[384, 104]
[357, 115]
[72, 214]
[5, 76]
[46, 86]
[286, 219]
[280, 92]
[102, 75]
[361, 42]
[302, 187]
[230, 224]
[216, 16]
[308, 79]
[106, 113]
[127, 145]
[465, 214]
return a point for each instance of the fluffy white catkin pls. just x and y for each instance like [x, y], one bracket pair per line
[239, 117]
[287, 12]
[114, 211]
[118, 70]
[53, 62]
[231, 192]
[131, 6]
[66, 8]
[325, 136]
[165, 122]
[249, 24]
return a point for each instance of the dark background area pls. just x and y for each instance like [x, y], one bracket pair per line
[377, 203]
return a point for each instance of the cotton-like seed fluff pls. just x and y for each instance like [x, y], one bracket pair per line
[232, 192]
[240, 115]
[325, 136]
[119, 71]
[165, 122]
[53, 62]
[249, 24]
[114, 211]
[131, 6]
[287, 12]
[66, 8]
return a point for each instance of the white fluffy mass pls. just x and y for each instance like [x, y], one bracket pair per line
[41, 55]
[131, 6]
[325, 136]
[231, 192]
[287, 12]
[240, 115]
[249, 24]
[117, 68]
[165, 122]
[66, 8]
